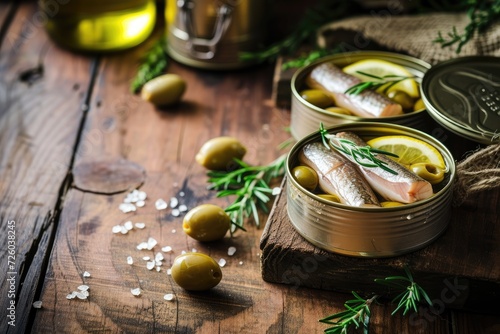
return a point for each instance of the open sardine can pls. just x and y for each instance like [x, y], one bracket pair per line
[369, 231]
[305, 116]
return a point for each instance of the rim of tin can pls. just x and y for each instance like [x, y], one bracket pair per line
[463, 95]
[404, 60]
[375, 127]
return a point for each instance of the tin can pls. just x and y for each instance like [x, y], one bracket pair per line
[369, 232]
[211, 34]
[306, 117]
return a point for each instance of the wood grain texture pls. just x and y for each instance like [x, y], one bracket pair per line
[464, 260]
[39, 119]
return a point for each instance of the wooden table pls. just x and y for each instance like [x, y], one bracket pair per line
[60, 111]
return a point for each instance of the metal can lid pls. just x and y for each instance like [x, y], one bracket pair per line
[463, 95]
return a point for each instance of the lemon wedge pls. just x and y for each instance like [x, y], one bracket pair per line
[410, 150]
[382, 68]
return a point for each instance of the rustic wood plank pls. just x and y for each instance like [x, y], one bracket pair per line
[466, 257]
[39, 120]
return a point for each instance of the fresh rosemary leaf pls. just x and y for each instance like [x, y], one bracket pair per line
[386, 82]
[154, 64]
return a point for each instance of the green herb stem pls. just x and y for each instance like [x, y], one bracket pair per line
[385, 82]
[154, 64]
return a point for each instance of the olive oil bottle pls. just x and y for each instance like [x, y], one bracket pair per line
[99, 25]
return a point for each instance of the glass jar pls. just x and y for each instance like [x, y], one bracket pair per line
[99, 25]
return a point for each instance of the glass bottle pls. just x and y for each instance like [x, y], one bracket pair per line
[99, 25]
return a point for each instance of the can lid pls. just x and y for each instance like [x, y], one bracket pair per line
[463, 95]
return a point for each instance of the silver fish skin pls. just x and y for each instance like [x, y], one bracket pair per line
[405, 187]
[332, 79]
[338, 175]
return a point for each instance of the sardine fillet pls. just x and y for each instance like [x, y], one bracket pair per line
[338, 175]
[405, 187]
[332, 79]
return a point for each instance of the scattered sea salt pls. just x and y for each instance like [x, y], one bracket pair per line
[150, 265]
[181, 194]
[71, 295]
[160, 204]
[146, 258]
[159, 257]
[140, 225]
[128, 225]
[127, 207]
[116, 229]
[182, 208]
[158, 268]
[240, 263]
[173, 231]
[169, 296]
[194, 250]
[130, 260]
[169, 271]
[176, 212]
[83, 287]
[276, 191]
[86, 274]
[222, 262]
[231, 250]
[142, 195]
[123, 230]
[174, 202]
[81, 295]
[140, 204]
[38, 304]
[142, 245]
[136, 291]
[151, 243]
[166, 249]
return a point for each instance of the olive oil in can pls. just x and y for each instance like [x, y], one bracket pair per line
[99, 25]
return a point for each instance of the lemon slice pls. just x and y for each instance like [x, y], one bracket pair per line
[382, 68]
[410, 150]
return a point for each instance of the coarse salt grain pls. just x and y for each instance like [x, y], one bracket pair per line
[276, 191]
[222, 262]
[150, 265]
[173, 231]
[83, 287]
[130, 260]
[160, 204]
[151, 243]
[158, 269]
[176, 212]
[81, 295]
[169, 271]
[146, 258]
[231, 250]
[140, 225]
[142, 245]
[127, 207]
[123, 230]
[116, 229]
[142, 195]
[182, 208]
[159, 256]
[181, 194]
[128, 225]
[169, 296]
[37, 304]
[240, 263]
[166, 249]
[174, 202]
[140, 204]
[136, 291]
[86, 274]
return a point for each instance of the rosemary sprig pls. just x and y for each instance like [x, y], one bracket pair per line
[322, 13]
[250, 185]
[362, 155]
[386, 81]
[154, 64]
[411, 296]
[357, 311]
[481, 13]
[308, 58]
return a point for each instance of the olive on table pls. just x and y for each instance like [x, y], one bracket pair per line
[164, 90]
[306, 177]
[219, 153]
[206, 222]
[317, 97]
[432, 173]
[403, 98]
[196, 272]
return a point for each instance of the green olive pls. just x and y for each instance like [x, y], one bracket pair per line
[317, 97]
[402, 98]
[306, 177]
[206, 222]
[338, 110]
[432, 173]
[196, 272]
[419, 105]
[390, 204]
[330, 197]
[219, 153]
[164, 90]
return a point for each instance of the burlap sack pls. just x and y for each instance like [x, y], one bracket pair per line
[413, 34]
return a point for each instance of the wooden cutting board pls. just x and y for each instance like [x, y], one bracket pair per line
[460, 270]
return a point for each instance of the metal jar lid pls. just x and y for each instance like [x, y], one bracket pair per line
[463, 95]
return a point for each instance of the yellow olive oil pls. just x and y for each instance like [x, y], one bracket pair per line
[99, 25]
